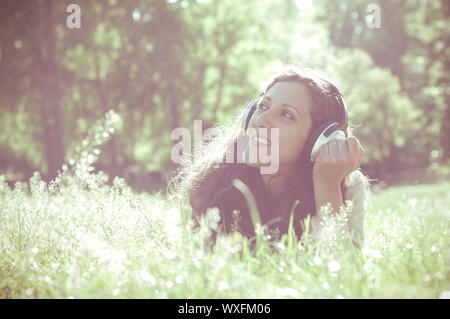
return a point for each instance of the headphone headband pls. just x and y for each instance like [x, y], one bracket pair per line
[248, 112]
[341, 103]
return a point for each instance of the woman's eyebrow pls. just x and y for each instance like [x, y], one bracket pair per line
[288, 105]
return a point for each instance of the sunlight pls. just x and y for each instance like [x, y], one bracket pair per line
[303, 4]
[94, 203]
[136, 15]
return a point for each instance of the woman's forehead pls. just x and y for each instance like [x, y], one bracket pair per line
[290, 92]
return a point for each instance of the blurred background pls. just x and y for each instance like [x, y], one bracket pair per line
[162, 64]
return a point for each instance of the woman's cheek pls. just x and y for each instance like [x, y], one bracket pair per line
[284, 150]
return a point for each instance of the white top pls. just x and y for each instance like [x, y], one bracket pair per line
[357, 191]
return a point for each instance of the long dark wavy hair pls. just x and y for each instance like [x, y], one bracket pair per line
[207, 181]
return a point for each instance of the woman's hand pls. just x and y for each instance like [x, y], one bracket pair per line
[337, 159]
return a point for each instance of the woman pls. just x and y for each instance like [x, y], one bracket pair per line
[295, 101]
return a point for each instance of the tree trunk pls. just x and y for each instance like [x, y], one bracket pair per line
[223, 70]
[51, 113]
[174, 107]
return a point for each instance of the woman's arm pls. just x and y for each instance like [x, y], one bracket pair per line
[335, 161]
[326, 192]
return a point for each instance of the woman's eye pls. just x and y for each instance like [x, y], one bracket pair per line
[261, 105]
[291, 116]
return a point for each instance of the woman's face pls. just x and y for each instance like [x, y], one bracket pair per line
[286, 106]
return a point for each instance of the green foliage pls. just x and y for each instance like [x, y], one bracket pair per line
[384, 116]
[161, 65]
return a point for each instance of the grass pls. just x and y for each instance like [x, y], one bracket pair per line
[86, 239]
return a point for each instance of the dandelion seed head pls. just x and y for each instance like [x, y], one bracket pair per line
[412, 201]
[223, 285]
[170, 254]
[169, 284]
[287, 292]
[317, 260]
[199, 254]
[91, 158]
[373, 253]
[334, 266]
[146, 276]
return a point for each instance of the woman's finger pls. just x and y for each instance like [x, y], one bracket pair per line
[332, 150]
[321, 152]
[352, 144]
[343, 150]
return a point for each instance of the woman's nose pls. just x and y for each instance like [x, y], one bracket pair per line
[265, 119]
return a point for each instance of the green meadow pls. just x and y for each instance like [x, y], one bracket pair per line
[80, 237]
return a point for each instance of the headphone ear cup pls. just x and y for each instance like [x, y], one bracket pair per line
[323, 140]
[312, 141]
[320, 136]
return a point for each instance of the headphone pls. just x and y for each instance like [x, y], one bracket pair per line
[320, 135]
